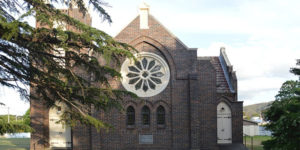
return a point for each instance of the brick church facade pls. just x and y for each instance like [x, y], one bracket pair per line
[186, 102]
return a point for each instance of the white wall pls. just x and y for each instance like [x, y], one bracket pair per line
[251, 130]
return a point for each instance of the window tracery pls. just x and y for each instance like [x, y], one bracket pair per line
[146, 77]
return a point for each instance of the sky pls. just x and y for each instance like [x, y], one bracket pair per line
[261, 38]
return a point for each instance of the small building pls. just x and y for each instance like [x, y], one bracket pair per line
[250, 128]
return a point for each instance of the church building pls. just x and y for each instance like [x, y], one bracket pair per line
[185, 102]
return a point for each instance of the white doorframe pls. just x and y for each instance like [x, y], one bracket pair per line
[224, 124]
[59, 133]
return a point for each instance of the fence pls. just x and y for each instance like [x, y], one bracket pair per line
[245, 140]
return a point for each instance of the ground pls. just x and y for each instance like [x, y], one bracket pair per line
[24, 143]
[14, 143]
[256, 142]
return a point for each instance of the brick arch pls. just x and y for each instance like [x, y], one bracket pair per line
[225, 99]
[226, 102]
[167, 111]
[162, 103]
[140, 106]
[131, 103]
[164, 51]
[143, 103]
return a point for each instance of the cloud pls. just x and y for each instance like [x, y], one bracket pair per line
[261, 38]
[261, 66]
[247, 17]
[11, 99]
[263, 60]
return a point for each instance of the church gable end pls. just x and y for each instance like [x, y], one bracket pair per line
[174, 50]
[181, 97]
[155, 31]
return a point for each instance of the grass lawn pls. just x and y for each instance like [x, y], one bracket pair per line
[256, 142]
[14, 143]
[24, 143]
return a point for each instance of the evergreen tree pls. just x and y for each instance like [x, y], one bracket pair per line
[13, 127]
[28, 57]
[284, 117]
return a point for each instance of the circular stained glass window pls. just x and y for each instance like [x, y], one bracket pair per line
[146, 77]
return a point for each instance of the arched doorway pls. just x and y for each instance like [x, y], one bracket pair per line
[59, 133]
[224, 123]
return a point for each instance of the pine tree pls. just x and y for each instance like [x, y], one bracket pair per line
[13, 127]
[28, 57]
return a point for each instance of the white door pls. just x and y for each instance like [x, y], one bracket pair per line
[59, 134]
[224, 123]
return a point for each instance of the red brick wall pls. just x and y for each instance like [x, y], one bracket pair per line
[39, 120]
[191, 98]
[40, 113]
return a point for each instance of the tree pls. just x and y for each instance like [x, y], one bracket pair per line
[13, 126]
[284, 117]
[26, 117]
[28, 56]
[255, 115]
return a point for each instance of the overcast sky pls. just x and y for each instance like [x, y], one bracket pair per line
[261, 38]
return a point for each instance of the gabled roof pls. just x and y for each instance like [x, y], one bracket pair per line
[152, 21]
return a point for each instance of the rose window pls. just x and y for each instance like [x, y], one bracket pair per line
[147, 76]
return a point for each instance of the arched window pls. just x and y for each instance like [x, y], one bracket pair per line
[130, 114]
[146, 115]
[161, 115]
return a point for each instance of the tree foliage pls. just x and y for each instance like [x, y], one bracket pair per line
[13, 127]
[26, 117]
[284, 117]
[28, 57]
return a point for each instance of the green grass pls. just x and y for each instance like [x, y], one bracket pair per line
[14, 143]
[256, 142]
[24, 143]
